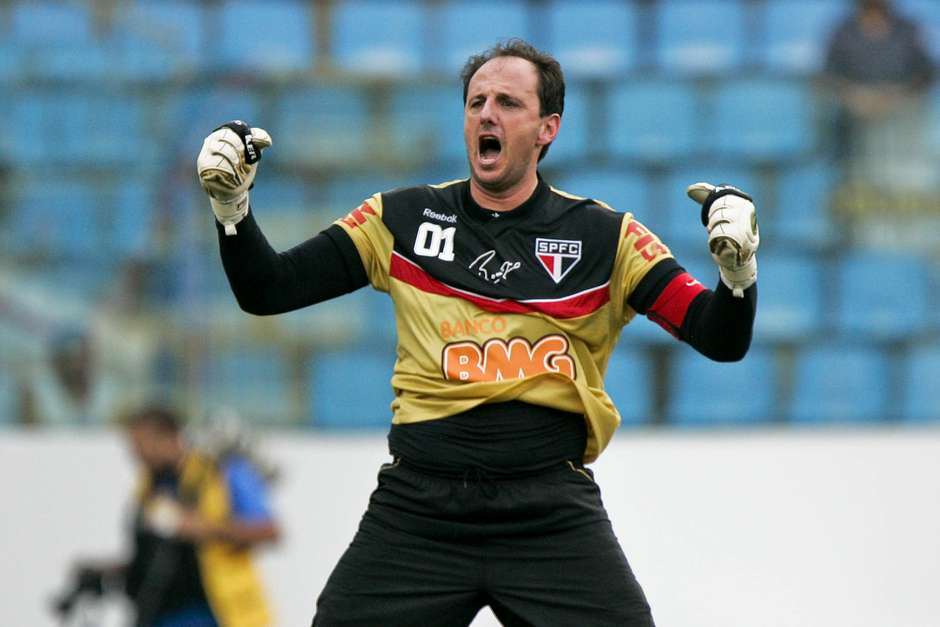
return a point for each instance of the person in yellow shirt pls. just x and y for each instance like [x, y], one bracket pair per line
[197, 519]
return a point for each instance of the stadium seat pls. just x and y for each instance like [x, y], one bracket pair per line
[762, 119]
[630, 383]
[796, 33]
[191, 114]
[594, 38]
[700, 36]
[160, 40]
[881, 296]
[623, 190]
[574, 139]
[840, 383]
[379, 332]
[426, 123]
[79, 127]
[653, 120]
[270, 36]
[60, 221]
[682, 226]
[925, 13]
[461, 29]
[702, 392]
[920, 392]
[379, 38]
[255, 381]
[790, 303]
[132, 208]
[321, 125]
[351, 389]
[58, 41]
[801, 218]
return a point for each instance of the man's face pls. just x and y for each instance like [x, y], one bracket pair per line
[502, 127]
[155, 448]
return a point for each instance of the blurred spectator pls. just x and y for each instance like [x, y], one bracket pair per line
[69, 387]
[879, 70]
[198, 515]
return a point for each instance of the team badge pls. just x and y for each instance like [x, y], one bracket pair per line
[558, 256]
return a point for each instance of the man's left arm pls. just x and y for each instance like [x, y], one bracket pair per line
[718, 323]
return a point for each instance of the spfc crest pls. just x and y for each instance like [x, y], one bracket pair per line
[558, 256]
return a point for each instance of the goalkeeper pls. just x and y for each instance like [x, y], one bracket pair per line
[509, 297]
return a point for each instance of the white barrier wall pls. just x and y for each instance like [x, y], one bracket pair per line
[762, 529]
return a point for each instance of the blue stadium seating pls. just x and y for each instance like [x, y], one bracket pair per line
[926, 13]
[682, 227]
[270, 36]
[350, 389]
[700, 36]
[790, 304]
[81, 128]
[426, 123]
[321, 125]
[159, 40]
[702, 392]
[839, 383]
[796, 33]
[61, 220]
[653, 120]
[574, 139]
[191, 114]
[630, 383]
[623, 190]
[882, 296]
[377, 37]
[801, 218]
[133, 207]
[58, 40]
[461, 29]
[254, 381]
[920, 392]
[762, 119]
[593, 38]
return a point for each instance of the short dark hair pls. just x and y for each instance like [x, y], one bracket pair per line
[551, 87]
[159, 416]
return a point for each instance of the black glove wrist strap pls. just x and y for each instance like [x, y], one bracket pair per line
[252, 154]
[718, 192]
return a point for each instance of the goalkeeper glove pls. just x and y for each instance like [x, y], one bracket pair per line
[733, 236]
[227, 165]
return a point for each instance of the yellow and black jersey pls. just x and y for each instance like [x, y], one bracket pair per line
[492, 308]
[522, 305]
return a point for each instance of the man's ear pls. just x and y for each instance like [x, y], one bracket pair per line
[548, 129]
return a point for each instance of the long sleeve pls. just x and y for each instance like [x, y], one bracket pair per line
[267, 282]
[713, 322]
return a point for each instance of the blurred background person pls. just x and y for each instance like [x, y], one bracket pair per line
[879, 71]
[199, 515]
[69, 387]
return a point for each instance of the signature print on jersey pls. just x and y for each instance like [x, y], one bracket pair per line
[498, 360]
[490, 274]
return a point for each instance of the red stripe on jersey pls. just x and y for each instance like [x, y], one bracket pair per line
[573, 306]
[673, 302]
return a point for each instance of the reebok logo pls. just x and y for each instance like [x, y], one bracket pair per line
[439, 216]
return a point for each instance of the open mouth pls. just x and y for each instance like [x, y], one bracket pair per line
[489, 148]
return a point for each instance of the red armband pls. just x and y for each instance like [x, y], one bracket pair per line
[673, 302]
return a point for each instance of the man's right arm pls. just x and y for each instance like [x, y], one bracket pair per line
[266, 282]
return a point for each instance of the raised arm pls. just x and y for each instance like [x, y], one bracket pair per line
[264, 281]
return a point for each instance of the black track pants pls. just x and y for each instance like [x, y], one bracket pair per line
[431, 551]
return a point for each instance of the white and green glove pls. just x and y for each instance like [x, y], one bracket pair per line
[227, 165]
[733, 236]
